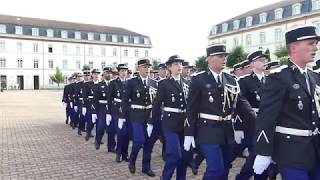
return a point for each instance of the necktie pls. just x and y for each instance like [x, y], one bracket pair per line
[144, 82]
[263, 80]
[307, 81]
[219, 80]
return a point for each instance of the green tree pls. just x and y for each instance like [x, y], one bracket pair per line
[282, 51]
[58, 77]
[235, 56]
[267, 53]
[284, 60]
[155, 63]
[201, 63]
[86, 67]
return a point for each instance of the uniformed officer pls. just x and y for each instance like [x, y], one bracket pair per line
[82, 105]
[171, 99]
[246, 68]
[250, 86]
[136, 106]
[186, 68]
[117, 90]
[162, 72]
[74, 110]
[271, 65]
[79, 86]
[91, 91]
[104, 120]
[288, 121]
[77, 101]
[66, 98]
[213, 96]
[238, 70]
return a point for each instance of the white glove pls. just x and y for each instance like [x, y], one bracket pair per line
[261, 163]
[238, 136]
[108, 119]
[188, 142]
[120, 122]
[149, 129]
[84, 111]
[76, 108]
[71, 105]
[94, 118]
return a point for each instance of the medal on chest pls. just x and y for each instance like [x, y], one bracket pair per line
[300, 104]
[138, 94]
[172, 98]
[257, 95]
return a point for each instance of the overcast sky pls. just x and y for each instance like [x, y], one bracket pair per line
[174, 26]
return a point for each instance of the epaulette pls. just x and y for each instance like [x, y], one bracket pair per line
[243, 76]
[196, 74]
[131, 78]
[278, 69]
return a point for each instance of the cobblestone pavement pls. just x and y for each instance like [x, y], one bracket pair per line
[35, 143]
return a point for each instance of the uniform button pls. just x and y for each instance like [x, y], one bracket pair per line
[180, 94]
[312, 100]
[313, 123]
[313, 112]
[168, 115]
[180, 99]
[221, 95]
[222, 103]
[146, 102]
[181, 105]
[205, 121]
[288, 137]
[146, 98]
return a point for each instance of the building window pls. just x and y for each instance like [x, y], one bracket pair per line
[249, 21]
[236, 24]
[136, 53]
[3, 29]
[114, 52]
[64, 64]
[103, 37]
[35, 47]
[2, 45]
[77, 35]
[50, 48]
[2, 62]
[64, 34]
[278, 35]
[146, 53]
[315, 4]
[103, 64]
[78, 50]
[19, 46]
[214, 30]
[136, 40]
[64, 49]
[19, 30]
[278, 13]
[78, 64]
[91, 64]
[235, 41]
[125, 39]
[35, 32]
[50, 64]
[49, 32]
[103, 51]
[248, 40]
[125, 53]
[262, 37]
[114, 38]
[296, 9]
[146, 41]
[90, 51]
[224, 27]
[263, 17]
[19, 63]
[35, 63]
[90, 36]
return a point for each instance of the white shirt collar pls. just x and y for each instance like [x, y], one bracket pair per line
[176, 79]
[96, 82]
[260, 76]
[216, 74]
[146, 78]
[300, 69]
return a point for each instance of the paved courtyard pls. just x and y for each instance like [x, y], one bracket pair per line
[35, 143]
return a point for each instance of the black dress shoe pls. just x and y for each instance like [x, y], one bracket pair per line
[97, 145]
[149, 173]
[67, 121]
[132, 168]
[87, 137]
[101, 142]
[125, 158]
[194, 169]
[79, 132]
[118, 158]
[112, 150]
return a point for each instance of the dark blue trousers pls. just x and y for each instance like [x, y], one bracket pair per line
[122, 137]
[299, 174]
[176, 157]
[90, 125]
[100, 127]
[218, 161]
[111, 132]
[68, 112]
[82, 120]
[141, 140]
[246, 171]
